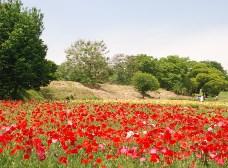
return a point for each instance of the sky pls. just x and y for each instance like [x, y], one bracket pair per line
[197, 29]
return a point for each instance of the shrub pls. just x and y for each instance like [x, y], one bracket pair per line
[144, 82]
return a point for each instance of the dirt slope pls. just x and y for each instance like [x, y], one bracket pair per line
[110, 91]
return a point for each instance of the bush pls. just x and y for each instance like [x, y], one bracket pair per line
[144, 82]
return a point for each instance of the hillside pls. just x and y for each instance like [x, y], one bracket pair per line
[62, 90]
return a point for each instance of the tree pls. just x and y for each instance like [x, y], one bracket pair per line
[214, 87]
[211, 83]
[144, 82]
[119, 69]
[22, 52]
[124, 67]
[216, 65]
[146, 63]
[86, 62]
[172, 73]
[62, 72]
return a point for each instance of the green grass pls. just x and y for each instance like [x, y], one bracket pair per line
[51, 93]
[223, 96]
[27, 95]
[66, 93]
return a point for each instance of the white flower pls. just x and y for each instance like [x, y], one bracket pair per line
[129, 134]
[69, 122]
[67, 111]
[212, 155]
[153, 151]
[54, 140]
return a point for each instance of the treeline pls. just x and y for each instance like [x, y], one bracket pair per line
[87, 63]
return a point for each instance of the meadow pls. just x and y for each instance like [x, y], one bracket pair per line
[108, 134]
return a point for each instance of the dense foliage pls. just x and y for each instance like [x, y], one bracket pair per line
[86, 63]
[22, 52]
[144, 82]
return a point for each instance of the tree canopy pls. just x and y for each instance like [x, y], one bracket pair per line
[144, 82]
[124, 67]
[86, 62]
[22, 51]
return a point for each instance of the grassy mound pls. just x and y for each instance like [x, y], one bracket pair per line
[67, 90]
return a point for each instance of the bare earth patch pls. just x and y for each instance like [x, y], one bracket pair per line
[112, 91]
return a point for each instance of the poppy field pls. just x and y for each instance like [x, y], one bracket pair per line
[112, 134]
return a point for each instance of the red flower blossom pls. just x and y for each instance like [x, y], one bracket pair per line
[154, 158]
[85, 161]
[99, 160]
[108, 156]
[26, 156]
[63, 160]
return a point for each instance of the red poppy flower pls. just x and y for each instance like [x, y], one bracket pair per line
[99, 160]
[154, 158]
[63, 160]
[85, 161]
[26, 156]
[108, 156]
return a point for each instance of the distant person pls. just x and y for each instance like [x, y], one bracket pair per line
[201, 99]
[216, 98]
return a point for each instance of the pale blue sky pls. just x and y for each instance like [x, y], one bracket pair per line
[194, 28]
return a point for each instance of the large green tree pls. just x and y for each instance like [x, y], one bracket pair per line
[86, 62]
[146, 64]
[208, 78]
[218, 66]
[22, 51]
[172, 73]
